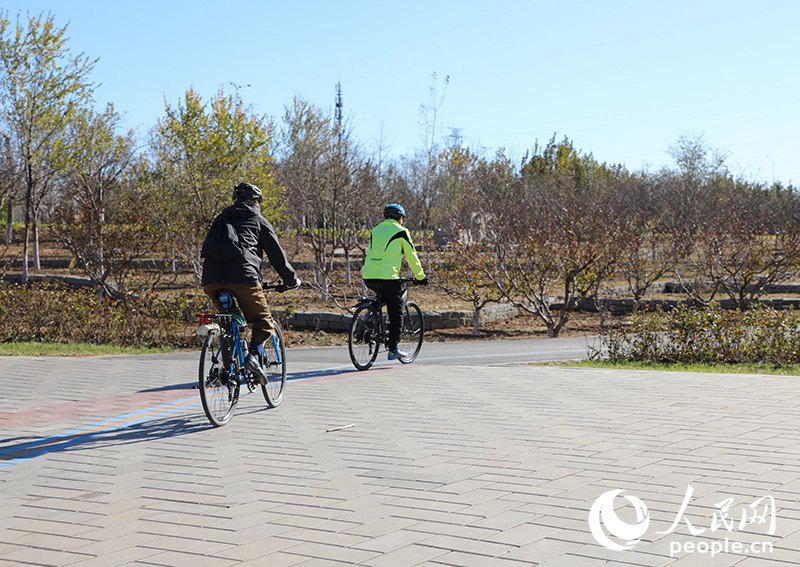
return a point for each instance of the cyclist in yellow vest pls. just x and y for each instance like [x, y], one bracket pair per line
[389, 243]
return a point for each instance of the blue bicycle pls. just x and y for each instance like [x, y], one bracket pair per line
[222, 362]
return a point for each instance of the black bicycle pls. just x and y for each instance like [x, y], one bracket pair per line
[369, 329]
[222, 367]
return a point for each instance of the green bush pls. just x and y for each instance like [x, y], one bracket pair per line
[58, 314]
[708, 335]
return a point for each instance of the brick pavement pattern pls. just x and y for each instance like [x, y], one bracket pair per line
[110, 461]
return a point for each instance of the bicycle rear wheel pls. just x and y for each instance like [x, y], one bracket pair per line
[411, 333]
[363, 338]
[219, 392]
[274, 364]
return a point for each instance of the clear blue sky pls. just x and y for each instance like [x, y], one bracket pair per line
[622, 78]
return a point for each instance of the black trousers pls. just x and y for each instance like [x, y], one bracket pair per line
[389, 292]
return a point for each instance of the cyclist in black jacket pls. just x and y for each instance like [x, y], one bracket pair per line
[240, 271]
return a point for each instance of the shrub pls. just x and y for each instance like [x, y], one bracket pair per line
[708, 335]
[59, 314]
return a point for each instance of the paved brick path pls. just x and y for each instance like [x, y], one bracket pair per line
[110, 461]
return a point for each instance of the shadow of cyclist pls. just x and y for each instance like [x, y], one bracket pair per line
[139, 432]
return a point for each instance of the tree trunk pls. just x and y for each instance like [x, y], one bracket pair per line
[25, 253]
[325, 286]
[37, 264]
[321, 277]
[100, 252]
[9, 221]
[476, 320]
[347, 269]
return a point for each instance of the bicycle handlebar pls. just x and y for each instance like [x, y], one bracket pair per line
[279, 287]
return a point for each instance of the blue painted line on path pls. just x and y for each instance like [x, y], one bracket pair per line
[24, 451]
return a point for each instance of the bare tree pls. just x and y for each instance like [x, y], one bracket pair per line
[332, 188]
[364, 201]
[464, 271]
[749, 239]
[306, 140]
[647, 253]
[558, 233]
[426, 161]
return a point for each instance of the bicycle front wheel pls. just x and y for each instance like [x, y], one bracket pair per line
[219, 392]
[363, 338]
[411, 333]
[274, 364]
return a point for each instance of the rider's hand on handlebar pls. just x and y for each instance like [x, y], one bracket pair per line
[423, 281]
[293, 285]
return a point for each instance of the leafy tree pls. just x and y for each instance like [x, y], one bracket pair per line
[100, 159]
[8, 183]
[697, 162]
[200, 152]
[41, 88]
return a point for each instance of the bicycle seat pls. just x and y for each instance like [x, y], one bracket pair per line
[226, 300]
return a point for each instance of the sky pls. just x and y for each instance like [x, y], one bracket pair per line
[622, 79]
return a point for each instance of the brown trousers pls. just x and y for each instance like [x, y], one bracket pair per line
[254, 306]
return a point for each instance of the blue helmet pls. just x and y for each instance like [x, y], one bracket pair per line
[393, 211]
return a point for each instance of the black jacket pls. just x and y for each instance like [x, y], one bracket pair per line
[256, 236]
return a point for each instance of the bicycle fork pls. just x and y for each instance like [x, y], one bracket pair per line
[276, 349]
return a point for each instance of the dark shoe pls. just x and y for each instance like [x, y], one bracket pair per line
[252, 364]
[397, 353]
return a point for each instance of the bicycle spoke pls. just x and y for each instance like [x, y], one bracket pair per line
[363, 338]
[412, 331]
[219, 392]
[274, 364]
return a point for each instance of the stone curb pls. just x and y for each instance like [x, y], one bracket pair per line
[340, 322]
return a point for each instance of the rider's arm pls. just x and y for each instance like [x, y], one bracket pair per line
[276, 255]
[410, 252]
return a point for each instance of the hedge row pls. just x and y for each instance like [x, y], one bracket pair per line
[55, 313]
[708, 335]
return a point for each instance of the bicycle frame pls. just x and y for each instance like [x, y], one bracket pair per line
[230, 325]
[276, 349]
[230, 328]
[225, 367]
[376, 305]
